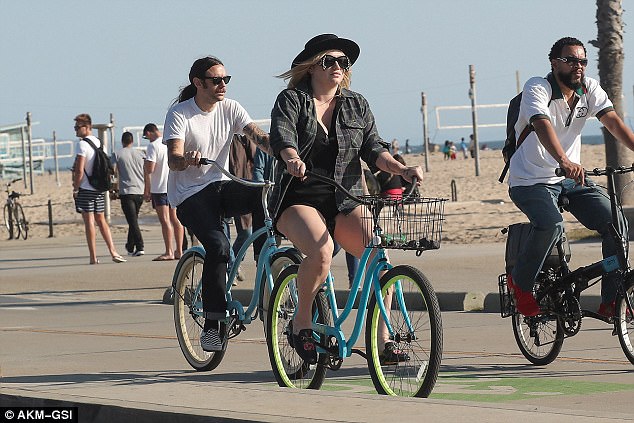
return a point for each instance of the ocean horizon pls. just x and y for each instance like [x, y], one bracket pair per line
[66, 163]
[497, 145]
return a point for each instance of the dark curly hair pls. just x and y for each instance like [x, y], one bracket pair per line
[555, 50]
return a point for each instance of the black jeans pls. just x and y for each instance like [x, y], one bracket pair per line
[131, 204]
[202, 213]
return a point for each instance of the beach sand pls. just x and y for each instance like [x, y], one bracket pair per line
[482, 208]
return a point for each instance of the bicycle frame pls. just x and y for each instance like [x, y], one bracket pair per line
[263, 268]
[618, 262]
[270, 247]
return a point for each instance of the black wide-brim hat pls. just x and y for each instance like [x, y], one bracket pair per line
[326, 42]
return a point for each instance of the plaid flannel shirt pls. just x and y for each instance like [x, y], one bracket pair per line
[294, 124]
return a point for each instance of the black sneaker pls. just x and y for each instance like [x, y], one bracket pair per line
[304, 344]
[211, 340]
[392, 355]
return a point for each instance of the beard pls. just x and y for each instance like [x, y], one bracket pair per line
[567, 80]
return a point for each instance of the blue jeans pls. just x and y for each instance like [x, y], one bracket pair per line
[589, 204]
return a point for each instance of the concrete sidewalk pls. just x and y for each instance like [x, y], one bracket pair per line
[463, 276]
[98, 337]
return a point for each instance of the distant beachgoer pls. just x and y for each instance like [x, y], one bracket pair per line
[464, 148]
[408, 150]
[446, 150]
[452, 151]
[395, 146]
[241, 156]
[88, 201]
[472, 147]
[156, 172]
[128, 164]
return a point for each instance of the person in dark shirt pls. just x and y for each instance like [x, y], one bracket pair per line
[317, 123]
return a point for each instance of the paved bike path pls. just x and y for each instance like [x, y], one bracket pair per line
[99, 336]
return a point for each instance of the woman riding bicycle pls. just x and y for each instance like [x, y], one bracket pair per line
[203, 195]
[318, 124]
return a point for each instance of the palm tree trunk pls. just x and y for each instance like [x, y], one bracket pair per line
[610, 44]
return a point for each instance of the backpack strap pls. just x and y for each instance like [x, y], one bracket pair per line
[527, 130]
[94, 147]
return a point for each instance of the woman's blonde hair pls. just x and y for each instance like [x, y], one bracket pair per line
[299, 73]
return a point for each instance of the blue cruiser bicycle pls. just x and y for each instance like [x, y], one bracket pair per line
[412, 316]
[187, 286]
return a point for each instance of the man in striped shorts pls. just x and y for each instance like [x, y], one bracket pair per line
[88, 201]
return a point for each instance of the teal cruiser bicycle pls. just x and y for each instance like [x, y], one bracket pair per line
[412, 316]
[187, 286]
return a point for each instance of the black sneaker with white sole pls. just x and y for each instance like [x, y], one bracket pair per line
[211, 340]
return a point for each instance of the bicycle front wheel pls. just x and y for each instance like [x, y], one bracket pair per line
[414, 315]
[289, 368]
[20, 221]
[625, 322]
[539, 338]
[188, 312]
[280, 260]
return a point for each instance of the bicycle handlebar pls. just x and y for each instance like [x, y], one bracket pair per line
[347, 193]
[600, 171]
[246, 182]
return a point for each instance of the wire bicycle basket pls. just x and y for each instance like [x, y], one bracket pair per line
[413, 223]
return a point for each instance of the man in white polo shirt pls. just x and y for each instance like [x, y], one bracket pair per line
[556, 108]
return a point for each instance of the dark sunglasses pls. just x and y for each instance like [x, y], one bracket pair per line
[329, 61]
[216, 80]
[76, 127]
[571, 61]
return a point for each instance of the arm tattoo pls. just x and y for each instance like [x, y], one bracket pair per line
[259, 137]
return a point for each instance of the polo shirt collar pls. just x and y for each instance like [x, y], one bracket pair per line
[557, 91]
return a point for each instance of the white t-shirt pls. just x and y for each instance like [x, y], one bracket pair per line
[157, 152]
[532, 164]
[85, 150]
[211, 134]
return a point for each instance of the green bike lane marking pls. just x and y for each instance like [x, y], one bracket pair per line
[463, 387]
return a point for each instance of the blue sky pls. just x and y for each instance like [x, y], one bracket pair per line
[130, 58]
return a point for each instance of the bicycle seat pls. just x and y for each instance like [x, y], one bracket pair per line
[14, 195]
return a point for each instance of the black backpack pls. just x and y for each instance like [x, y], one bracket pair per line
[102, 170]
[511, 144]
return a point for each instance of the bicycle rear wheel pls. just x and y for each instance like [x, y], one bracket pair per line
[539, 338]
[414, 314]
[9, 222]
[188, 310]
[625, 322]
[289, 368]
[20, 221]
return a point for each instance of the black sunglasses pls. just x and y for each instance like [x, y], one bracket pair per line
[574, 61]
[328, 61]
[217, 79]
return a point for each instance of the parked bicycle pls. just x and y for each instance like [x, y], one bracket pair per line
[14, 220]
[412, 318]
[187, 286]
[558, 289]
